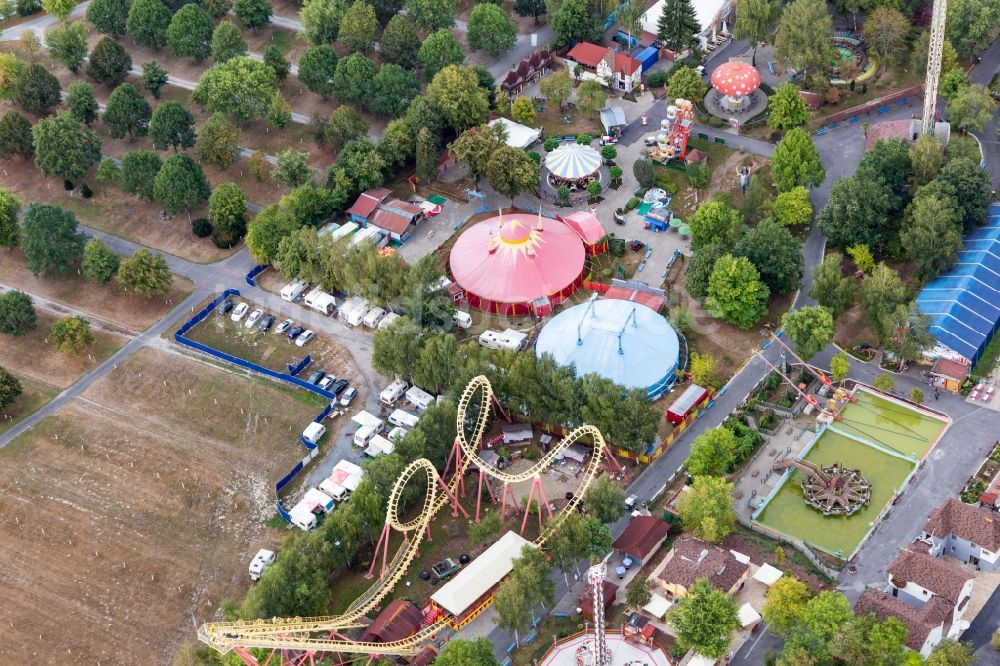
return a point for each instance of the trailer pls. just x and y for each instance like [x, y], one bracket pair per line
[344, 231]
[693, 396]
[403, 419]
[374, 234]
[387, 320]
[349, 306]
[313, 432]
[366, 418]
[292, 290]
[320, 301]
[379, 446]
[393, 392]
[356, 316]
[373, 317]
[420, 398]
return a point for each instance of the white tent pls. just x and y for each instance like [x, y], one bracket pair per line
[707, 12]
[657, 606]
[518, 135]
[767, 574]
[748, 616]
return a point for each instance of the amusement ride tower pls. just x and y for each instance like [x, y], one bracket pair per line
[600, 656]
[934, 51]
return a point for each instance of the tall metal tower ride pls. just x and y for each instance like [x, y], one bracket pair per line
[595, 576]
[934, 50]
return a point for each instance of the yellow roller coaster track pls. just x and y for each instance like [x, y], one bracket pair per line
[296, 633]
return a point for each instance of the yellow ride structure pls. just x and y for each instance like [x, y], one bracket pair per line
[325, 634]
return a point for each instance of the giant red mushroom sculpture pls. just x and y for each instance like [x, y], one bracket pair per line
[735, 82]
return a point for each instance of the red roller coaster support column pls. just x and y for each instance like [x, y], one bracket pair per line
[382, 545]
[479, 494]
[508, 493]
[454, 465]
[248, 659]
[614, 464]
[497, 405]
[455, 506]
[537, 493]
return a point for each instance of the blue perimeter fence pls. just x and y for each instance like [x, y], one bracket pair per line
[312, 449]
[254, 272]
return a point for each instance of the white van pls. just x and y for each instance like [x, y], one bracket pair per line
[320, 301]
[357, 315]
[373, 317]
[365, 435]
[462, 319]
[420, 398]
[393, 392]
[403, 419]
[387, 320]
[292, 290]
[313, 432]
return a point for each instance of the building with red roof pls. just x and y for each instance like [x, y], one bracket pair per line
[602, 63]
[395, 217]
[399, 619]
[518, 263]
[642, 538]
[366, 204]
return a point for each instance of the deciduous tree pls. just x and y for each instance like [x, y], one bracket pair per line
[704, 620]
[400, 43]
[241, 87]
[71, 334]
[139, 169]
[365, 167]
[154, 77]
[793, 207]
[512, 607]
[17, 316]
[426, 156]
[523, 111]
[907, 332]
[392, 90]
[321, 20]
[180, 184]
[575, 21]
[787, 110]
[803, 39]
[605, 500]
[10, 207]
[227, 206]
[490, 30]
[795, 160]
[532, 8]
[36, 90]
[109, 62]
[227, 42]
[685, 83]
[462, 652]
[926, 158]
[475, 146]
[678, 27]
[59, 8]
[266, 230]
[953, 82]
[145, 273]
[108, 16]
[933, 236]
[712, 452]
[81, 102]
[344, 124]
[557, 87]
[756, 21]
[886, 30]
[49, 240]
[785, 605]
[972, 189]
[63, 147]
[456, 95]
[172, 126]
[431, 15]
[590, 96]
[292, 168]
[918, 61]
[189, 34]
[147, 23]
[950, 652]
[439, 50]
[127, 113]
[68, 45]
[699, 268]
[702, 369]
[10, 388]
[274, 59]
[775, 253]
[99, 263]
[971, 25]
[218, 141]
[15, 136]
[358, 28]
[840, 365]
[859, 210]
[735, 292]
[623, 416]
[317, 67]
[279, 113]
[218, 8]
[810, 329]
[511, 171]
[253, 13]
[880, 293]
[352, 80]
[715, 222]
[971, 109]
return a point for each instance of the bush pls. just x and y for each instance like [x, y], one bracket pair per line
[562, 193]
[658, 79]
[584, 139]
[201, 227]
[631, 203]
[535, 156]
[550, 145]
[68, 185]
[86, 192]
[223, 237]
[615, 172]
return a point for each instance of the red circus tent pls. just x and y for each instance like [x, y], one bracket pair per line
[518, 263]
[589, 227]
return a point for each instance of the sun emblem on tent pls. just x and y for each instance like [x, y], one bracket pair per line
[515, 235]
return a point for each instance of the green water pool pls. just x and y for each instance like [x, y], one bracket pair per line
[788, 513]
[890, 424]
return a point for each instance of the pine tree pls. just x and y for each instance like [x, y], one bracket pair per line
[678, 26]
[427, 156]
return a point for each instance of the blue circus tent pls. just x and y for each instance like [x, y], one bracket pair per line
[964, 303]
[623, 341]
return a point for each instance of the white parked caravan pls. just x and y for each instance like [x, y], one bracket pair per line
[320, 301]
[513, 340]
[387, 320]
[320, 499]
[397, 434]
[313, 432]
[365, 435]
[334, 490]
[302, 517]
[346, 230]
[374, 234]
[373, 317]
[379, 446]
[349, 306]
[262, 560]
[393, 392]
[344, 479]
[489, 339]
[420, 398]
[292, 290]
[358, 314]
[462, 319]
[403, 419]
[366, 418]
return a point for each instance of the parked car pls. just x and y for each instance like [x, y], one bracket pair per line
[636, 245]
[339, 386]
[348, 396]
[266, 323]
[283, 326]
[305, 338]
[239, 312]
[294, 332]
[253, 318]
[225, 306]
[315, 377]
[609, 139]
[326, 381]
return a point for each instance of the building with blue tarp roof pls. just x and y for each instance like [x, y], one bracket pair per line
[964, 303]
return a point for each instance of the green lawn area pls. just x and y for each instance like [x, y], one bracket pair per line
[34, 396]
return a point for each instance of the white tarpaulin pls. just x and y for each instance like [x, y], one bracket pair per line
[748, 616]
[705, 10]
[657, 606]
[518, 135]
[767, 574]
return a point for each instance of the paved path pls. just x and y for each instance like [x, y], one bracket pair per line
[40, 24]
[982, 74]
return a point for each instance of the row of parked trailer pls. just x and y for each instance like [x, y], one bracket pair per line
[317, 502]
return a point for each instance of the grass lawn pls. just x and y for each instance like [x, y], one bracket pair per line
[33, 397]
